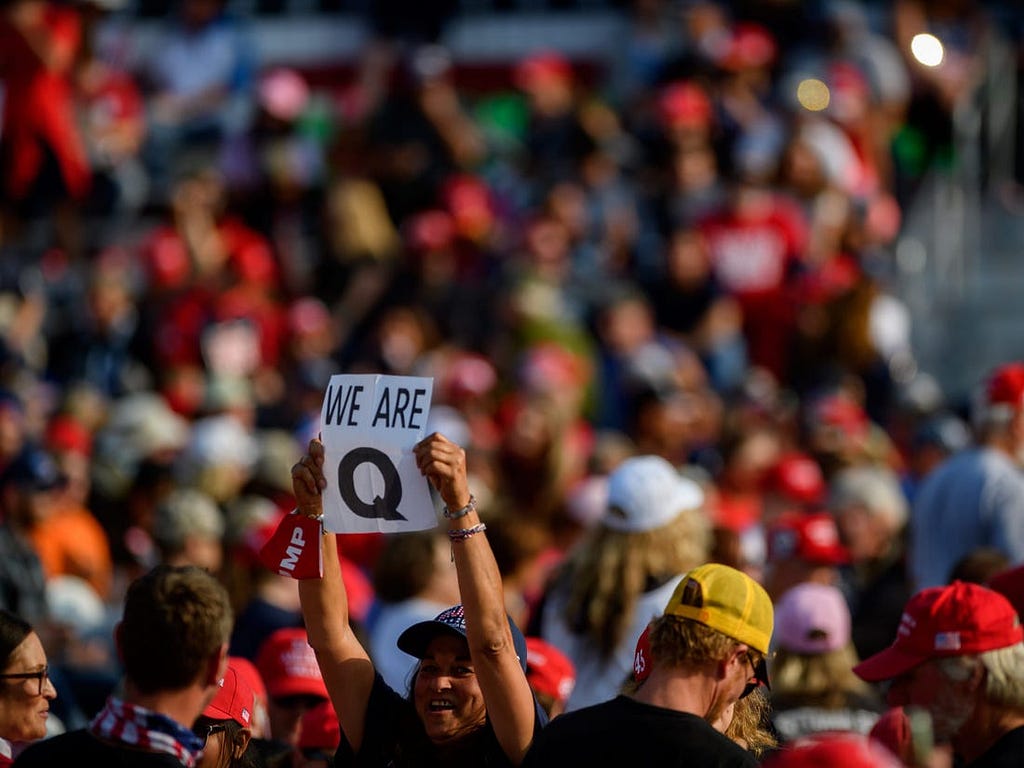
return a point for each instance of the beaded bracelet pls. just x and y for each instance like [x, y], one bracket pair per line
[470, 507]
[461, 534]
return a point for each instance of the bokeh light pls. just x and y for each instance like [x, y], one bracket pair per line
[813, 94]
[927, 49]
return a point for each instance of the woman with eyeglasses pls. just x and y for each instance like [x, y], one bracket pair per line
[25, 687]
[226, 724]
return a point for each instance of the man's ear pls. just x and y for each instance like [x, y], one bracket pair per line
[722, 666]
[216, 667]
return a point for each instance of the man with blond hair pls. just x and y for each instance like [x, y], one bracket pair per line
[959, 655]
[708, 651]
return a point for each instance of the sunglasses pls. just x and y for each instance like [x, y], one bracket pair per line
[206, 731]
[757, 673]
[42, 676]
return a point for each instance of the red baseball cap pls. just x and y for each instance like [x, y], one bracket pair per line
[67, 434]
[288, 666]
[809, 536]
[235, 699]
[642, 658]
[684, 105]
[320, 728]
[842, 412]
[540, 68]
[798, 478]
[892, 730]
[1006, 386]
[837, 748]
[548, 670]
[953, 620]
[750, 46]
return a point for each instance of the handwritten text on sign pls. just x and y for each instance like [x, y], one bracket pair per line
[369, 425]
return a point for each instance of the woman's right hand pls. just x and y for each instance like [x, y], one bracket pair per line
[308, 481]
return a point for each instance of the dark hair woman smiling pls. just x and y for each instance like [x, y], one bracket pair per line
[25, 687]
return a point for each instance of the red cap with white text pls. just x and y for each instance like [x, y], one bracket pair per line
[954, 620]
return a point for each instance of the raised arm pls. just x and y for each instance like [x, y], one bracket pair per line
[344, 663]
[507, 695]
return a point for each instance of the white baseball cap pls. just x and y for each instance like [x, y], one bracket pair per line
[647, 492]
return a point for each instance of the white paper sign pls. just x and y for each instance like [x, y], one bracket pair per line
[369, 425]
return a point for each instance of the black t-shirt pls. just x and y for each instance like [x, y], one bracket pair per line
[626, 732]
[1007, 752]
[394, 736]
[794, 716]
[82, 748]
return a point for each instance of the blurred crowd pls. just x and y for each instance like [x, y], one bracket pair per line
[685, 253]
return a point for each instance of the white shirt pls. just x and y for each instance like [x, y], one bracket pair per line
[599, 679]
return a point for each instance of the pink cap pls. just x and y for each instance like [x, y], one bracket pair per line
[283, 93]
[812, 619]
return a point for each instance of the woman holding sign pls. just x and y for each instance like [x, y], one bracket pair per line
[470, 703]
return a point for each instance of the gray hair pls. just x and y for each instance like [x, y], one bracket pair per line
[876, 489]
[186, 511]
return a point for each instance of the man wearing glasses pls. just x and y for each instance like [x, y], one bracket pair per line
[708, 650]
[172, 642]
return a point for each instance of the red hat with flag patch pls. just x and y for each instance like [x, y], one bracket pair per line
[953, 620]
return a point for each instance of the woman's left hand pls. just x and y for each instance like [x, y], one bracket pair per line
[443, 463]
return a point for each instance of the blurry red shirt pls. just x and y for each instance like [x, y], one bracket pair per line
[39, 105]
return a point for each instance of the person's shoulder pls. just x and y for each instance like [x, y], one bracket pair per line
[53, 743]
[45, 752]
[82, 748]
[949, 470]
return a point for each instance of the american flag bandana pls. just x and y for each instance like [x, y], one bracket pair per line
[126, 723]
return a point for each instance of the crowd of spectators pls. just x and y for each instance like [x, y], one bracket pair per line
[682, 255]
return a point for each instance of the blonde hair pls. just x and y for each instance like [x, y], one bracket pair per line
[825, 678]
[1004, 673]
[1004, 683]
[679, 642]
[747, 727]
[611, 569]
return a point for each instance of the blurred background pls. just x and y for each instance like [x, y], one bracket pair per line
[769, 241]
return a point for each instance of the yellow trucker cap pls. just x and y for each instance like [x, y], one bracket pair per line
[726, 600]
